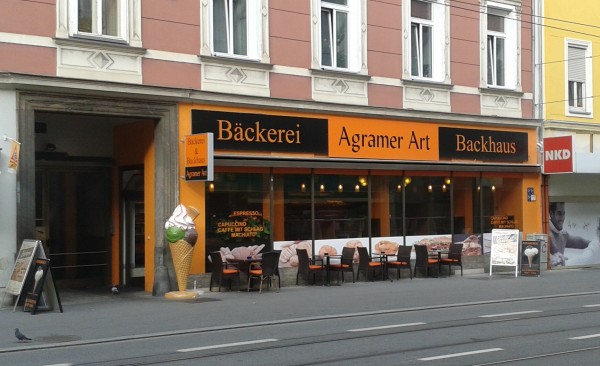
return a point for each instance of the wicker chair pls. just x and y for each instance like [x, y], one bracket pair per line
[423, 260]
[266, 271]
[305, 268]
[454, 258]
[366, 265]
[402, 260]
[220, 271]
[346, 263]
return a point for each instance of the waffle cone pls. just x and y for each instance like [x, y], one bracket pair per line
[181, 251]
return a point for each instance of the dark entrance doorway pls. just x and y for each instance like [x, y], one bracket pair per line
[73, 218]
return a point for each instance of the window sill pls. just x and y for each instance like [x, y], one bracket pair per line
[94, 43]
[496, 91]
[576, 113]
[235, 62]
[339, 73]
[427, 84]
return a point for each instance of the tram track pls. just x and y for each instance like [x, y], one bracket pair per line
[453, 325]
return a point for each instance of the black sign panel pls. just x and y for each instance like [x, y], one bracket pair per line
[262, 132]
[530, 258]
[483, 145]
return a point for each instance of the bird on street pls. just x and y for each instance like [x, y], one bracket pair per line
[20, 336]
[115, 290]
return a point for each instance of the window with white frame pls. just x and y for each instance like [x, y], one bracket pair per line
[105, 19]
[426, 53]
[340, 37]
[236, 28]
[501, 46]
[578, 77]
[421, 34]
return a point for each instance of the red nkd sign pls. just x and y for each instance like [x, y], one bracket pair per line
[558, 154]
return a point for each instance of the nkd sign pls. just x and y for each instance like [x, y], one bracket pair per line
[558, 154]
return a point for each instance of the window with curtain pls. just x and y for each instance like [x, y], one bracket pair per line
[101, 18]
[230, 27]
[421, 38]
[501, 58]
[496, 40]
[334, 33]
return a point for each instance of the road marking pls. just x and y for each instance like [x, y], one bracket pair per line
[385, 327]
[515, 313]
[586, 336]
[591, 306]
[61, 364]
[460, 354]
[224, 345]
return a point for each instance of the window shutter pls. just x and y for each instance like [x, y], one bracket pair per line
[577, 64]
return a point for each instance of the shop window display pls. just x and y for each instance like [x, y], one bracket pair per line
[237, 213]
[323, 213]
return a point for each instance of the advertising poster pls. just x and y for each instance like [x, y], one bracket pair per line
[530, 258]
[22, 265]
[573, 237]
[505, 248]
[37, 279]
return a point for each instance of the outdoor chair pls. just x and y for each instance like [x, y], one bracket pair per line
[346, 263]
[366, 265]
[402, 261]
[221, 271]
[423, 260]
[267, 270]
[454, 258]
[306, 268]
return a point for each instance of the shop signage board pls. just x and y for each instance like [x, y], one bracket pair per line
[39, 272]
[262, 132]
[530, 258]
[483, 145]
[358, 138]
[22, 280]
[505, 249]
[199, 157]
[558, 155]
[29, 249]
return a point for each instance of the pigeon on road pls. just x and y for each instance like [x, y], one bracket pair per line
[115, 290]
[20, 336]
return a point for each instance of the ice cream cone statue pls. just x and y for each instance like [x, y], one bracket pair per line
[180, 231]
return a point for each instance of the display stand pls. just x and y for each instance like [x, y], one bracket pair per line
[40, 288]
[505, 249]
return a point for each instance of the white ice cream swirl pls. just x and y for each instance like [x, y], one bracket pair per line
[530, 251]
[180, 219]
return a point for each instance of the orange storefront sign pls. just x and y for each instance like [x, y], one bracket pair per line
[199, 157]
[354, 138]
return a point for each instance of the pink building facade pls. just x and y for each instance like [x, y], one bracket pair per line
[83, 83]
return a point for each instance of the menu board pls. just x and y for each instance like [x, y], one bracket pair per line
[530, 258]
[22, 265]
[505, 249]
[38, 277]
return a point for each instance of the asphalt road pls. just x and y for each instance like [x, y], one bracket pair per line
[456, 321]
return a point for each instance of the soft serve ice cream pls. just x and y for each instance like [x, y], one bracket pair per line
[530, 252]
[181, 233]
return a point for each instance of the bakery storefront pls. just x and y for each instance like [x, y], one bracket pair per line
[288, 180]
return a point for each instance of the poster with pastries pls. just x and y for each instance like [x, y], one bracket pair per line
[505, 248]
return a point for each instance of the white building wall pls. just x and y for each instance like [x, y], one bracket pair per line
[8, 188]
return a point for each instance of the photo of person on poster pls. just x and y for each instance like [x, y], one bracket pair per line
[560, 239]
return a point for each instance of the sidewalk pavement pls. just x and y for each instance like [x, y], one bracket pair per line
[95, 316]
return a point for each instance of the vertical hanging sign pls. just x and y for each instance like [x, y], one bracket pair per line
[199, 157]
